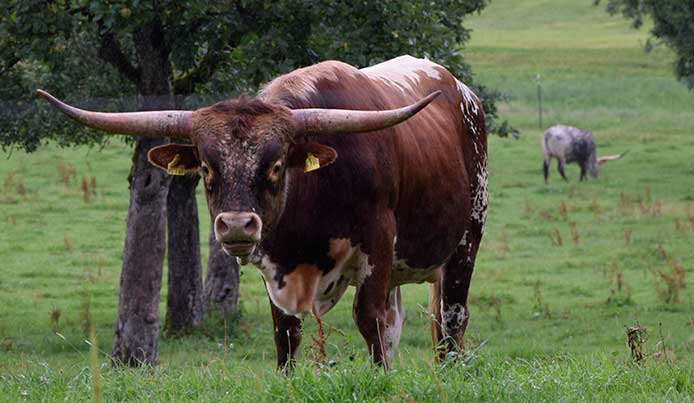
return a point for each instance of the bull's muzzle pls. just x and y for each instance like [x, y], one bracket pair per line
[238, 232]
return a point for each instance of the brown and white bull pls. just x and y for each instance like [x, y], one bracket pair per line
[570, 144]
[327, 178]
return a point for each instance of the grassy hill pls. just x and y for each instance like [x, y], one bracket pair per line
[549, 317]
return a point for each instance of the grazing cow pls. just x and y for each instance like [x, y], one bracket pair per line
[571, 144]
[317, 183]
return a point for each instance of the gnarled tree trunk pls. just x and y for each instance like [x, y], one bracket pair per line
[184, 303]
[221, 295]
[137, 326]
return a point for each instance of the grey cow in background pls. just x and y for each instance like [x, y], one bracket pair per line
[570, 144]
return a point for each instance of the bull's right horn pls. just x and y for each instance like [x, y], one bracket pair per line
[177, 124]
[607, 158]
[337, 121]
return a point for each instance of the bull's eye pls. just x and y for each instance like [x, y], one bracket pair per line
[274, 173]
[206, 176]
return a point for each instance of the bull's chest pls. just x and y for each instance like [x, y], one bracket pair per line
[306, 289]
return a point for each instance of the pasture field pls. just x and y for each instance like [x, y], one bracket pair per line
[564, 268]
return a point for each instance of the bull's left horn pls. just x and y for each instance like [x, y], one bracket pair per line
[177, 124]
[607, 158]
[335, 121]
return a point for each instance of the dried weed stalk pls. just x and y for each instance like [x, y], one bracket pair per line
[563, 210]
[66, 172]
[540, 308]
[555, 237]
[620, 292]
[637, 336]
[670, 284]
[7, 187]
[574, 233]
[318, 344]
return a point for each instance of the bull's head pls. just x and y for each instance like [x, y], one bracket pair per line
[594, 164]
[243, 148]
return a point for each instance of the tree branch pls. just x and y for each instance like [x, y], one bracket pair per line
[8, 64]
[110, 51]
[186, 82]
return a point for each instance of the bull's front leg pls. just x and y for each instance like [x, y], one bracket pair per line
[379, 327]
[287, 330]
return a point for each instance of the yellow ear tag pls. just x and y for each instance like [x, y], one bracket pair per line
[172, 169]
[312, 163]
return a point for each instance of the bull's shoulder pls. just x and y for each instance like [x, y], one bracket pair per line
[303, 84]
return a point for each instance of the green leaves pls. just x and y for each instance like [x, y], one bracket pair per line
[88, 48]
[672, 25]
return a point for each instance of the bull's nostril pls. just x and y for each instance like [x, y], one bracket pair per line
[251, 227]
[221, 227]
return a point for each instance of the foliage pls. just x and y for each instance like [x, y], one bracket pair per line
[83, 50]
[672, 25]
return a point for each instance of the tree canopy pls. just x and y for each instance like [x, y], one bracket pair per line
[86, 51]
[673, 25]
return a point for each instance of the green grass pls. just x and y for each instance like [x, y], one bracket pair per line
[594, 75]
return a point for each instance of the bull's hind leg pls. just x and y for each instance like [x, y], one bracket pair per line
[545, 168]
[448, 303]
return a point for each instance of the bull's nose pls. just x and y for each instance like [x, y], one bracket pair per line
[232, 227]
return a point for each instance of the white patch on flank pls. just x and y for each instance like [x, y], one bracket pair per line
[470, 98]
[452, 318]
[480, 199]
[404, 71]
[463, 240]
[334, 283]
[364, 268]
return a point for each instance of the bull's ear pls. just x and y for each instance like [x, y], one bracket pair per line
[176, 159]
[311, 156]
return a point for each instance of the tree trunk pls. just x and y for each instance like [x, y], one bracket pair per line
[221, 295]
[137, 326]
[184, 304]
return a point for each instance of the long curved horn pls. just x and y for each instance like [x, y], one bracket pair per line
[336, 121]
[607, 158]
[176, 124]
